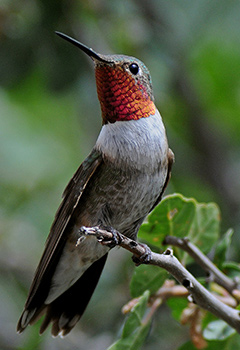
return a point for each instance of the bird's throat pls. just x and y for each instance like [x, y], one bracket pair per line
[121, 96]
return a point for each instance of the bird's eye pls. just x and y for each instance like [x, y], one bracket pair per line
[134, 69]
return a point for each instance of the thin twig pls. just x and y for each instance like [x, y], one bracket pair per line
[218, 276]
[199, 295]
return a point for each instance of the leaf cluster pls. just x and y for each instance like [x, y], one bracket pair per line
[151, 286]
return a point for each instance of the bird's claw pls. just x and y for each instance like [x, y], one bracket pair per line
[145, 258]
[100, 233]
[85, 231]
[110, 242]
[88, 231]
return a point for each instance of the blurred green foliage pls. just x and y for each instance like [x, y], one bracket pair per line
[50, 117]
[174, 213]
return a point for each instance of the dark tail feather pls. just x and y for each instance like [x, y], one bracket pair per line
[66, 310]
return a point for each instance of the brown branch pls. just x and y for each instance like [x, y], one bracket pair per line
[199, 295]
[218, 276]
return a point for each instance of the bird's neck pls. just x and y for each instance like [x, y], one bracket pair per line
[121, 97]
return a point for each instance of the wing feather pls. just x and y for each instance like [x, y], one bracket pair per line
[170, 160]
[71, 197]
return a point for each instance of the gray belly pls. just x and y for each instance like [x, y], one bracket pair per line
[116, 198]
[119, 198]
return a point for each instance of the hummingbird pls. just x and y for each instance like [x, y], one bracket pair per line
[116, 186]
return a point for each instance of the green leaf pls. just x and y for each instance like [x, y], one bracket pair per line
[205, 230]
[182, 217]
[147, 277]
[218, 330]
[222, 247]
[135, 329]
[171, 217]
[177, 305]
[231, 265]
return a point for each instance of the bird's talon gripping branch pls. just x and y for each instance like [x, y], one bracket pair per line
[113, 241]
[107, 236]
[85, 231]
[145, 258]
[88, 231]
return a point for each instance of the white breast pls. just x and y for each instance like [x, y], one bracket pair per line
[140, 143]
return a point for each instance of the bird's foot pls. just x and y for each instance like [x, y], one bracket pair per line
[85, 231]
[145, 258]
[112, 239]
[107, 236]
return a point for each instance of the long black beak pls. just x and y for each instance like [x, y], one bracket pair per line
[84, 48]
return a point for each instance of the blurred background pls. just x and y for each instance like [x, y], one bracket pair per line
[50, 118]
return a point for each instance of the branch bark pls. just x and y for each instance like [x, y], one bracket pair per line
[198, 294]
[218, 276]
